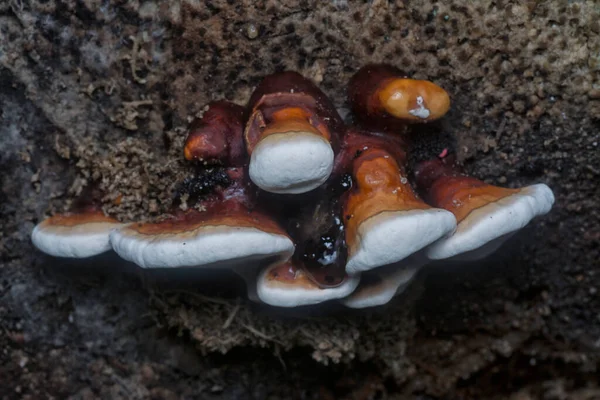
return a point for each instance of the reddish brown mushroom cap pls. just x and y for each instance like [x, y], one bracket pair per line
[287, 88]
[285, 284]
[215, 238]
[382, 97]
[379, 286]
[385, 221]
[413, 100]
[75, 235]
[356, 141]
[291, 134]
[487, 215]
[217, 136]
[229, 231]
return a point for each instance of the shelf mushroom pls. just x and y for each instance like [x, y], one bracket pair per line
[487, 215]
[355, 230]
[225, 234]
[292, 133]
[78, 234]
[316, 273]
[385, 221]
[382, 96]
[287, 285]
[379, 286]
[229, 231]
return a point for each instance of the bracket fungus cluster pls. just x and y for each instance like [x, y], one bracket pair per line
[308, 209]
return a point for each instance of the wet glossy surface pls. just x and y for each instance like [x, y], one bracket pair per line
[444, 185]
[233, 204]
[217, 136]
[324, 258]
[80, 218]
[363, 99]
[288, 95]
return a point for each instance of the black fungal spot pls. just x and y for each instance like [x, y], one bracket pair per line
[202, 184]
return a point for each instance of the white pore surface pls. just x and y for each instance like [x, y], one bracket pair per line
[393, 280]
[79, 241]
[282, 295]
[494, 221]
[483, 251]
[392, 236]
[210, 246]
[294, 162]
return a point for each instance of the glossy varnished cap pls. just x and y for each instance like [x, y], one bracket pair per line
[385, 221]
[195, 239]
[379, 286]
[287, 285]
[488, 216]
[74, 235]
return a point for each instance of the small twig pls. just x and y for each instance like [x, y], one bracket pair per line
[137, 103]
[592, 170]
[500, 130]
[232, 314]
[260, 334]
[122, 383]
[426, 368]
[154, 297]
[202, 297]
[277, 351]
[133, 60]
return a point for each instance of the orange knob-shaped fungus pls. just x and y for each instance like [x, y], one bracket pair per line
[383, 98]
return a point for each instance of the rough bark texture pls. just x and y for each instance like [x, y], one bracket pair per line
[101, 91]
